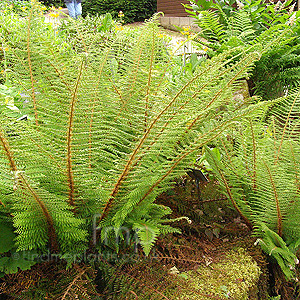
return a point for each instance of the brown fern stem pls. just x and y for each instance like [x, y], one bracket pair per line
[149, 82]
[30, 71]
[46, 152]
[123, 102]
[69, 140]
[93, 110]
[279, 215]
[51, 231]
[245, 151]
[182, 106]
[226, 151]
[59, 73]
[137, 62]
[274, 136]
[296, 167]
[228, 190]
[254, 155]
[179, 159]
[23, 183]
[173, 116]
[7, 152]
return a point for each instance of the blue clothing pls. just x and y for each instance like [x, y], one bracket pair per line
[74, 8]
[69, 1]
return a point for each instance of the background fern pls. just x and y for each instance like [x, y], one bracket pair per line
[278, 70]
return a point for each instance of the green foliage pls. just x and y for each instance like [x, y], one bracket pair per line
[272, 244]
[10, 260]
[134, 11]
[237, 28]
[263, 14]
[278, 71]
[20, 7]
[259, 173]
[109, 131]
[55, 3]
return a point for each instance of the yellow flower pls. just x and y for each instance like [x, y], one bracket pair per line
[119, 28]
[205, 49]
[186, 31]
[121, 14]
[54, 15]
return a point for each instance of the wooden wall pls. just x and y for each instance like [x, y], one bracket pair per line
[172, 8]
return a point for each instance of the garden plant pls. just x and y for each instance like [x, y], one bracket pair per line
[225, 26]
[101, 139]
[96, 124]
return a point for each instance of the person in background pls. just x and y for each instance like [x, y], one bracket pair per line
[74, 8]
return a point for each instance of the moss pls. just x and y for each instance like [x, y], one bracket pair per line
[235, 276]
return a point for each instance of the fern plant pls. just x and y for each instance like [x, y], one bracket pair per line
[259, 173]
[278, 70]
[106, 133]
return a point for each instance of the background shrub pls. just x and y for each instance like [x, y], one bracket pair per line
[134, 11]
[55, 3]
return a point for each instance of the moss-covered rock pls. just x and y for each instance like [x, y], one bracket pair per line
[235, 276]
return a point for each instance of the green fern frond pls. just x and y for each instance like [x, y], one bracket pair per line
[212, 29]
[240, 25]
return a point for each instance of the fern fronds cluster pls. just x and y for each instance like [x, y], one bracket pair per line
[259, 173]
[278, 70]
[107, 132]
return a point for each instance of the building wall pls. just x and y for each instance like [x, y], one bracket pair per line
[172, 8]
